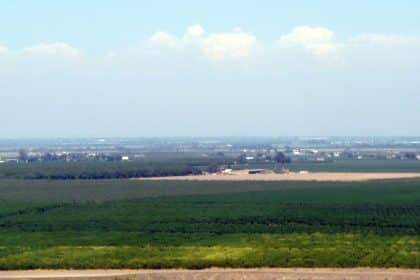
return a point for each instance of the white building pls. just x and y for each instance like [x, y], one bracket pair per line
[296, 152]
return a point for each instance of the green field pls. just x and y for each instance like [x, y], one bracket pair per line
[154, 224]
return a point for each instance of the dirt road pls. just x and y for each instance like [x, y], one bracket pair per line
[292, 176]
[221, 274]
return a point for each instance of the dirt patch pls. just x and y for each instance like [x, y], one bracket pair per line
[291, 176]
[221, 274]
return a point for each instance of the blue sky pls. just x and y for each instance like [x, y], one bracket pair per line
[97, 25]
[219, 68]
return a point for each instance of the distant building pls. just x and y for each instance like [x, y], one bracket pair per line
[296, 152]
[125, 158]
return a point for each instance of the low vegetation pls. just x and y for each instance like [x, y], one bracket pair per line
[132, 224]
[201, 250]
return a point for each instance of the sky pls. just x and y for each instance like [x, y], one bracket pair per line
[209, 68]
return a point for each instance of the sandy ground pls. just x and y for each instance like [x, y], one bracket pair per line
[221, 274]
[292, 176]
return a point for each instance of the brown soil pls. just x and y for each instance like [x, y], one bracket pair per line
[292, 176]
[221, 274]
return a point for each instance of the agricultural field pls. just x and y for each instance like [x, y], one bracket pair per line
[246, 175]
[365, 165]
[179, 224]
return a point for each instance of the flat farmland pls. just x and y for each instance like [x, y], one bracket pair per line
[30, 191]
[132, 224]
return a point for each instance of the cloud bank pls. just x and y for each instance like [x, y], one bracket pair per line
[235, 45]
[56, 49]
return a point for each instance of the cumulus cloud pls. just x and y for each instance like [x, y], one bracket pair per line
[234, 45]
[321, 43]
[192, 35]
[318, 41]
[194, 32]
[57, 49]
[165, 39]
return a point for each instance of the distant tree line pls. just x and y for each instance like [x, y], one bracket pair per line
[279, 157]
[24, 157]
[58, 170]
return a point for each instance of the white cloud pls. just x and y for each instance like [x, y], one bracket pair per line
[164, 39]
[192, 35]
[238, 45]
[320, 42]
[232, 45]
[316, 40]
[57, 49]
[194, 32]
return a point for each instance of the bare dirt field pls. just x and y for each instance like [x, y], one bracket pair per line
[291, 176]
[221, 274]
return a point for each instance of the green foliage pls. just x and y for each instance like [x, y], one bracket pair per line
[259, 212]
[388, 191]
[201, 250]
[281, 158]
[107, 170]
[139, 224]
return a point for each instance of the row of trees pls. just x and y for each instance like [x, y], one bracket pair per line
[48, 156]
[279, 157]
[96, 170]
[212, 216]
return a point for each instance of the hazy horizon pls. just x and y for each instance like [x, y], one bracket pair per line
[116, 69]
[223, 137]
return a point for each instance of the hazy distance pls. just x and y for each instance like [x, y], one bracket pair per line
[271, 68]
